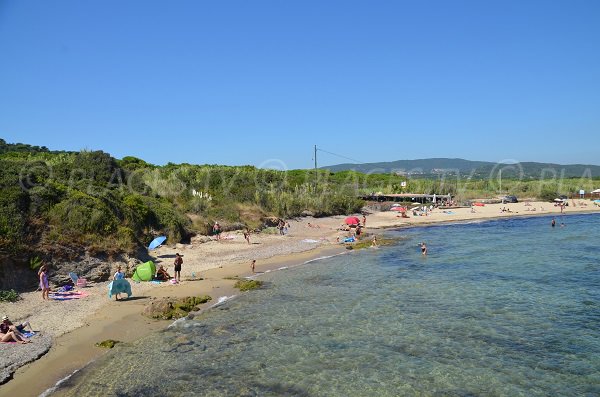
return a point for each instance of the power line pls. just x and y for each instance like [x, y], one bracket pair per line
[339, 155]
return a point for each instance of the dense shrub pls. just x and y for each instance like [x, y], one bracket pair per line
[82, 213]
[9, 296]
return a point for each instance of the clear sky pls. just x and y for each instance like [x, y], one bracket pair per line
[261, 82]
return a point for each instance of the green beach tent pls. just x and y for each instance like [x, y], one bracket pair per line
[144, 272]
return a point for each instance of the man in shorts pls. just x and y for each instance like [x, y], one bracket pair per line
[18, 329]
[178, 262]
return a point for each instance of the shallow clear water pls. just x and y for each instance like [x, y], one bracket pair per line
[498, 308]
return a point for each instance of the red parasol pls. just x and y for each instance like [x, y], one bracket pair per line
[352, 220]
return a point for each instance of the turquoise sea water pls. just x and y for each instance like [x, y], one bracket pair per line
[499, 308]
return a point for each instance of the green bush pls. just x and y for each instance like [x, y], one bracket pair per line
[82, 213]
[9, 296]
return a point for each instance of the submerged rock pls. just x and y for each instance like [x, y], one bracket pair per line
[173, 308]
[109, 343]
[247, 285]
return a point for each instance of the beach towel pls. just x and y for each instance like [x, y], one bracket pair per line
[121, 286]
[67, 296]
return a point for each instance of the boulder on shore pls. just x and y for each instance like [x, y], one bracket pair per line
[174, 308]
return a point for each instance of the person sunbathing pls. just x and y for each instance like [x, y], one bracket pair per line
[7, 327]
[10, 336]
[161, 274]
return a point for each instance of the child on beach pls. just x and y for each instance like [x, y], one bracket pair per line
[253, 265]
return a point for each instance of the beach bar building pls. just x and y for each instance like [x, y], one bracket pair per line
[403, 197]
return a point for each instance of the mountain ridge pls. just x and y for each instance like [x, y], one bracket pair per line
[470, 168]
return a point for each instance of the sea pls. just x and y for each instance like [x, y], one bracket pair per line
[507, 307]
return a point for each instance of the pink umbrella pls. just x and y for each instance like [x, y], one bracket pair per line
[400, 209]
[352, 220]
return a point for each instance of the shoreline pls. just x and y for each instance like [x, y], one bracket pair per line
[123, 321]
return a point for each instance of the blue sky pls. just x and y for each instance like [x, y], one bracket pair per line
[261, 82]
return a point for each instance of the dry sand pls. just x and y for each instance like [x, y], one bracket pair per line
[77, 325]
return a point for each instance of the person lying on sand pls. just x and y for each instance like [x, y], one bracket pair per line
[313, 225]
[10, 336]
[7, 325]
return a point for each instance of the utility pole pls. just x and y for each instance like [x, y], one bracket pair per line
[316, 172]
[500, 180]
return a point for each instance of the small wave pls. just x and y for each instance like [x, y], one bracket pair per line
[54, 388]
[223, 299]
[176, 322]
[323, 257]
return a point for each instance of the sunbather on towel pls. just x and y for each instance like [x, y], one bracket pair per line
[6, 325]
[11, 335]
[161, 274]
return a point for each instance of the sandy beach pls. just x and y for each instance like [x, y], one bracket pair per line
[78, 324]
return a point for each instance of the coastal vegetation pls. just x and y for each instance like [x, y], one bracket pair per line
[9, 296]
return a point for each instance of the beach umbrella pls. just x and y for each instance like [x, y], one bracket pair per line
[399, 209]
[156, 242]
[352, 220]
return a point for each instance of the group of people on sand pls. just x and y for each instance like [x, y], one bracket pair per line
[163, 275]
[10, 332]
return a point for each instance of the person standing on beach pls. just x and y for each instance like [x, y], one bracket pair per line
[423, 249]
[364, 220]
[178, 262]
[217, 230]
[247, 235]
[44, 282]
[253, 265]
[119, 275]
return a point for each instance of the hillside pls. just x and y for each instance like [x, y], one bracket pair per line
[74, 207]
[81, 211]
[474, 169]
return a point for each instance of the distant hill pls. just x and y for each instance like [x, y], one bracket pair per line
[475, 169]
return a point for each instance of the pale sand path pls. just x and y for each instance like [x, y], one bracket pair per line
[95, 318]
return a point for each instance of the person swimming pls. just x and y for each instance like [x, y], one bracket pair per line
[423, 248]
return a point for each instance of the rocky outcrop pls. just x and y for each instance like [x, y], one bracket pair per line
[271, 221]
[18, 275]
[173, 308]
[94, 269]
[15, 355]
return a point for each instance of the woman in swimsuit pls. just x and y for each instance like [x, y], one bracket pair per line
[44, 282]
[423, 248]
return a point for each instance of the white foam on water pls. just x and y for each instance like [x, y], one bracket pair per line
[51, 390]
[223, 299]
